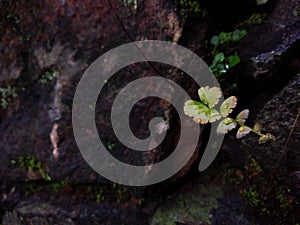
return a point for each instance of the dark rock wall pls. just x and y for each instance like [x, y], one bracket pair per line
[36, 138]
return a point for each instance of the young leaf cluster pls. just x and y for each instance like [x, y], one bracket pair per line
[6, 95]
[48, 76]
[204, 111]
[189, 8]
[254, 19]
[129, 3]
[222, 62]
[33, 165]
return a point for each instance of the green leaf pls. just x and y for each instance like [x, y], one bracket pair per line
[223, 37]
[243, 33]
[4, 103]
[227, 121]
[257, 127]
[211, 116]
[219, 57]
[215, 40]
[242, 131]
[46, 176]
[209, 96]
[233, 60]
[227, 106]
[233, 86]
[242, 116]
[226, 125]
[221, 68]
[213, 68]
[265, 138]
[193, 108]
[236, 35]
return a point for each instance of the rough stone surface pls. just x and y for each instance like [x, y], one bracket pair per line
[37, 210]
[269, 53]
[192, 207]
[209, 204]
[231, 210]
[36, 139]
[270, 44]
[280, 117]
[37, 124]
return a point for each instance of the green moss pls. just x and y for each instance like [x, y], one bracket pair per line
[253, 166]
[48, 76]
[283, 196]
[190, 7]
[57, 186]
[7, 94]
[252, 196]
[100, 194]
[108, 192]
[268, 196]
[32, 165]
[254, 19]
[194, 206]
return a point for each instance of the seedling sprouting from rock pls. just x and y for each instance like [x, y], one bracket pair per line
[203, 112]
[223, 60]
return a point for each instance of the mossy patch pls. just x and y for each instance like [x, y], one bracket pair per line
[194, 206]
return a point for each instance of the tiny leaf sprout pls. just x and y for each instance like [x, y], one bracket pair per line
[203, 112]
[7, 94]
[132, 3]
[48, 76]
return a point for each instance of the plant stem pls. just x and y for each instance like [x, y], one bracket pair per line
[252, 130]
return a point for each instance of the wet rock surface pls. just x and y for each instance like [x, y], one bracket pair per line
[275, 38]
[36, 210]
[36, 137]
[44, 179]
[280, 117]
[209, 204]
[73, 36]
[270, 48]
[231, 209]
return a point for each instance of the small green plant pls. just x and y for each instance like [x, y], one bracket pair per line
[48, 76]
[33, 165]
[100, 195]
[203, 112]
[252, 196]
[57, 186]
[7, 95]
[270, 198]
[254, 167]
[254, 19]
[222, 60]
[282, 195]
[189, 7]
[129, 3]
[111, 146]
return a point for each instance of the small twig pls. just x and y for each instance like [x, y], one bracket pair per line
[284, 151]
